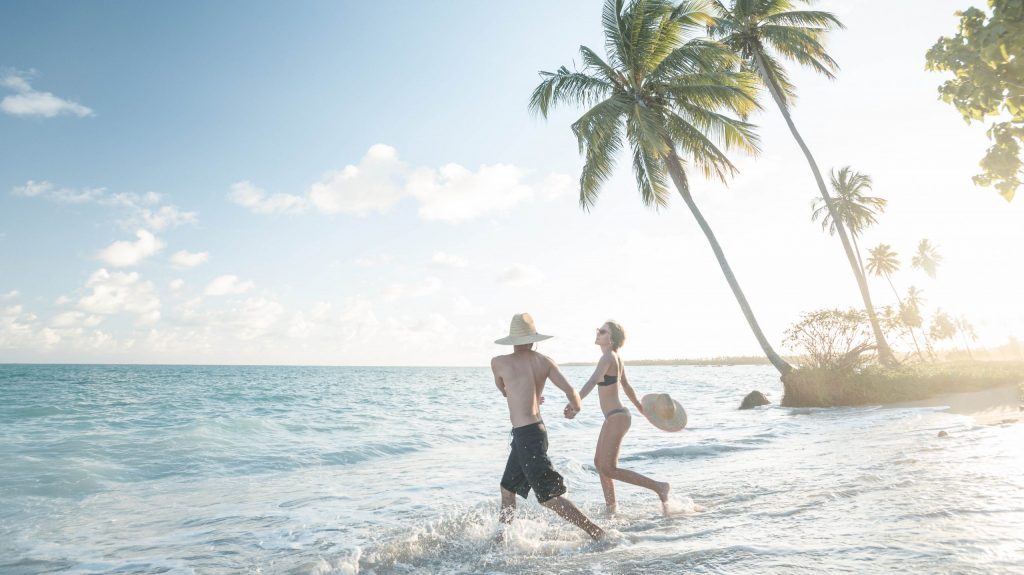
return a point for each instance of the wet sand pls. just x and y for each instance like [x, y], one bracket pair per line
[989, 407]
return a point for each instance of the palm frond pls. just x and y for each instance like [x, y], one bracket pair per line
[806, 19]
[697, 55]
[615, 41]
[709, 158]
[567, 87]
[729, 131]
[594, 62]
[650, 177]
[802, 45]
[599, 134]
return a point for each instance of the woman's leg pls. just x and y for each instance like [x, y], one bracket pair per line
[607, 457]
[606, 482]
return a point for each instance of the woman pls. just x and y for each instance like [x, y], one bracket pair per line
[609, 377]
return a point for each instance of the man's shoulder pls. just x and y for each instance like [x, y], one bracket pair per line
[546, 360]
[498, 360]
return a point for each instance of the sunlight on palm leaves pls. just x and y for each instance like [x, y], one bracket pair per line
[882, 261]
[764, 33]
[672, 99]
[656, 90]
[857, 210]
[927, 258]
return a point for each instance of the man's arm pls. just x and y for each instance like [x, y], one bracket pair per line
[497, 378]
[556, 377]
[602, 368]
[630, 393]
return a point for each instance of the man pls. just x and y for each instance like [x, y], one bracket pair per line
[520, 376]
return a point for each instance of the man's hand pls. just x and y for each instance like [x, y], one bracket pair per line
[541, 401]
[570, 411]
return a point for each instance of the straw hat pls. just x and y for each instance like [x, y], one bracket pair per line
[521, 331]
[664, 412]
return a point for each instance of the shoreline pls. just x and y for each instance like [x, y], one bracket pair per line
[995, 406]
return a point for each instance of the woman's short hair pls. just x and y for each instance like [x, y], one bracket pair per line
[618, 334]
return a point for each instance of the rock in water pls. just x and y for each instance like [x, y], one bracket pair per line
[943, 434]
[754, 399]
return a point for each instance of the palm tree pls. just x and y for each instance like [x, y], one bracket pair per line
[927, 258]
[857, 210]
[762, 31]
[665, 94]
[883, 262]
[910, 313]
[966, 330]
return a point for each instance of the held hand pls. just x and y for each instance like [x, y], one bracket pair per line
[570, 411]
[541, 402]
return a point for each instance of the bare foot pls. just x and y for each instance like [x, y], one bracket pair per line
[663, 490]
[611, 510]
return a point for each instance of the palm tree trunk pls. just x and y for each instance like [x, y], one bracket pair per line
[856, 250]
[675, 169]
[884, 352]
[911, 329]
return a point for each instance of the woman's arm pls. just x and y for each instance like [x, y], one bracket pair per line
[602, 368]
[630, 393]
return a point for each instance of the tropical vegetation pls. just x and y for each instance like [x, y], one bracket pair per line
[674, 99]
[764, 33]
[986, 57]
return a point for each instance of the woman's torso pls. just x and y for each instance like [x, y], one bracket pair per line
[608, 389]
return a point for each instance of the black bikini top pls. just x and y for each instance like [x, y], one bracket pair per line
[609, 380]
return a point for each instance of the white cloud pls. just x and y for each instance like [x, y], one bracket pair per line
[126, 253]
[62, 300]
[142, 207]
[32, 188]
[380, 180]
[227, 285]
[410, 290]
[71, 319]
[176, 284]
[253, 318]
[520, 275]
[120, 292]
[455, 194]
[48, 190]
[374, 261]
[165, 217]
[255, 199]
[463, 306]
[186, 259]
[29, 102]
[372, 186]
[444, 260]
[13, 294]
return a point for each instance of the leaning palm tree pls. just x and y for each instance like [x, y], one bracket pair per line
[883, 262]
[762, 32]
[668, 96]
[856, 209]
[927, 258]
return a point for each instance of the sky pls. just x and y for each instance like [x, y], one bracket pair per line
[340, 183]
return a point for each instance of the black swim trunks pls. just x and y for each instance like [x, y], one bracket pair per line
[528, 464]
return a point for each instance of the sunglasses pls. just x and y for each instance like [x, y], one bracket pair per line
[602, 331]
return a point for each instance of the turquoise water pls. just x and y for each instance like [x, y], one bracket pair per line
[150, 469]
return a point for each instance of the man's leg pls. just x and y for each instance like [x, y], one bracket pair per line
[572, 514]
[508, 506]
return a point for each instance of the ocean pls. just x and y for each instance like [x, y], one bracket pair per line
[206, 469]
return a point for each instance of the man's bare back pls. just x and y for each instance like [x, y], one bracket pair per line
[520, 376]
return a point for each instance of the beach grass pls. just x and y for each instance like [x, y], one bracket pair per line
[808, 387]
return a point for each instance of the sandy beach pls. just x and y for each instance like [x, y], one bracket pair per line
[989, 407]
